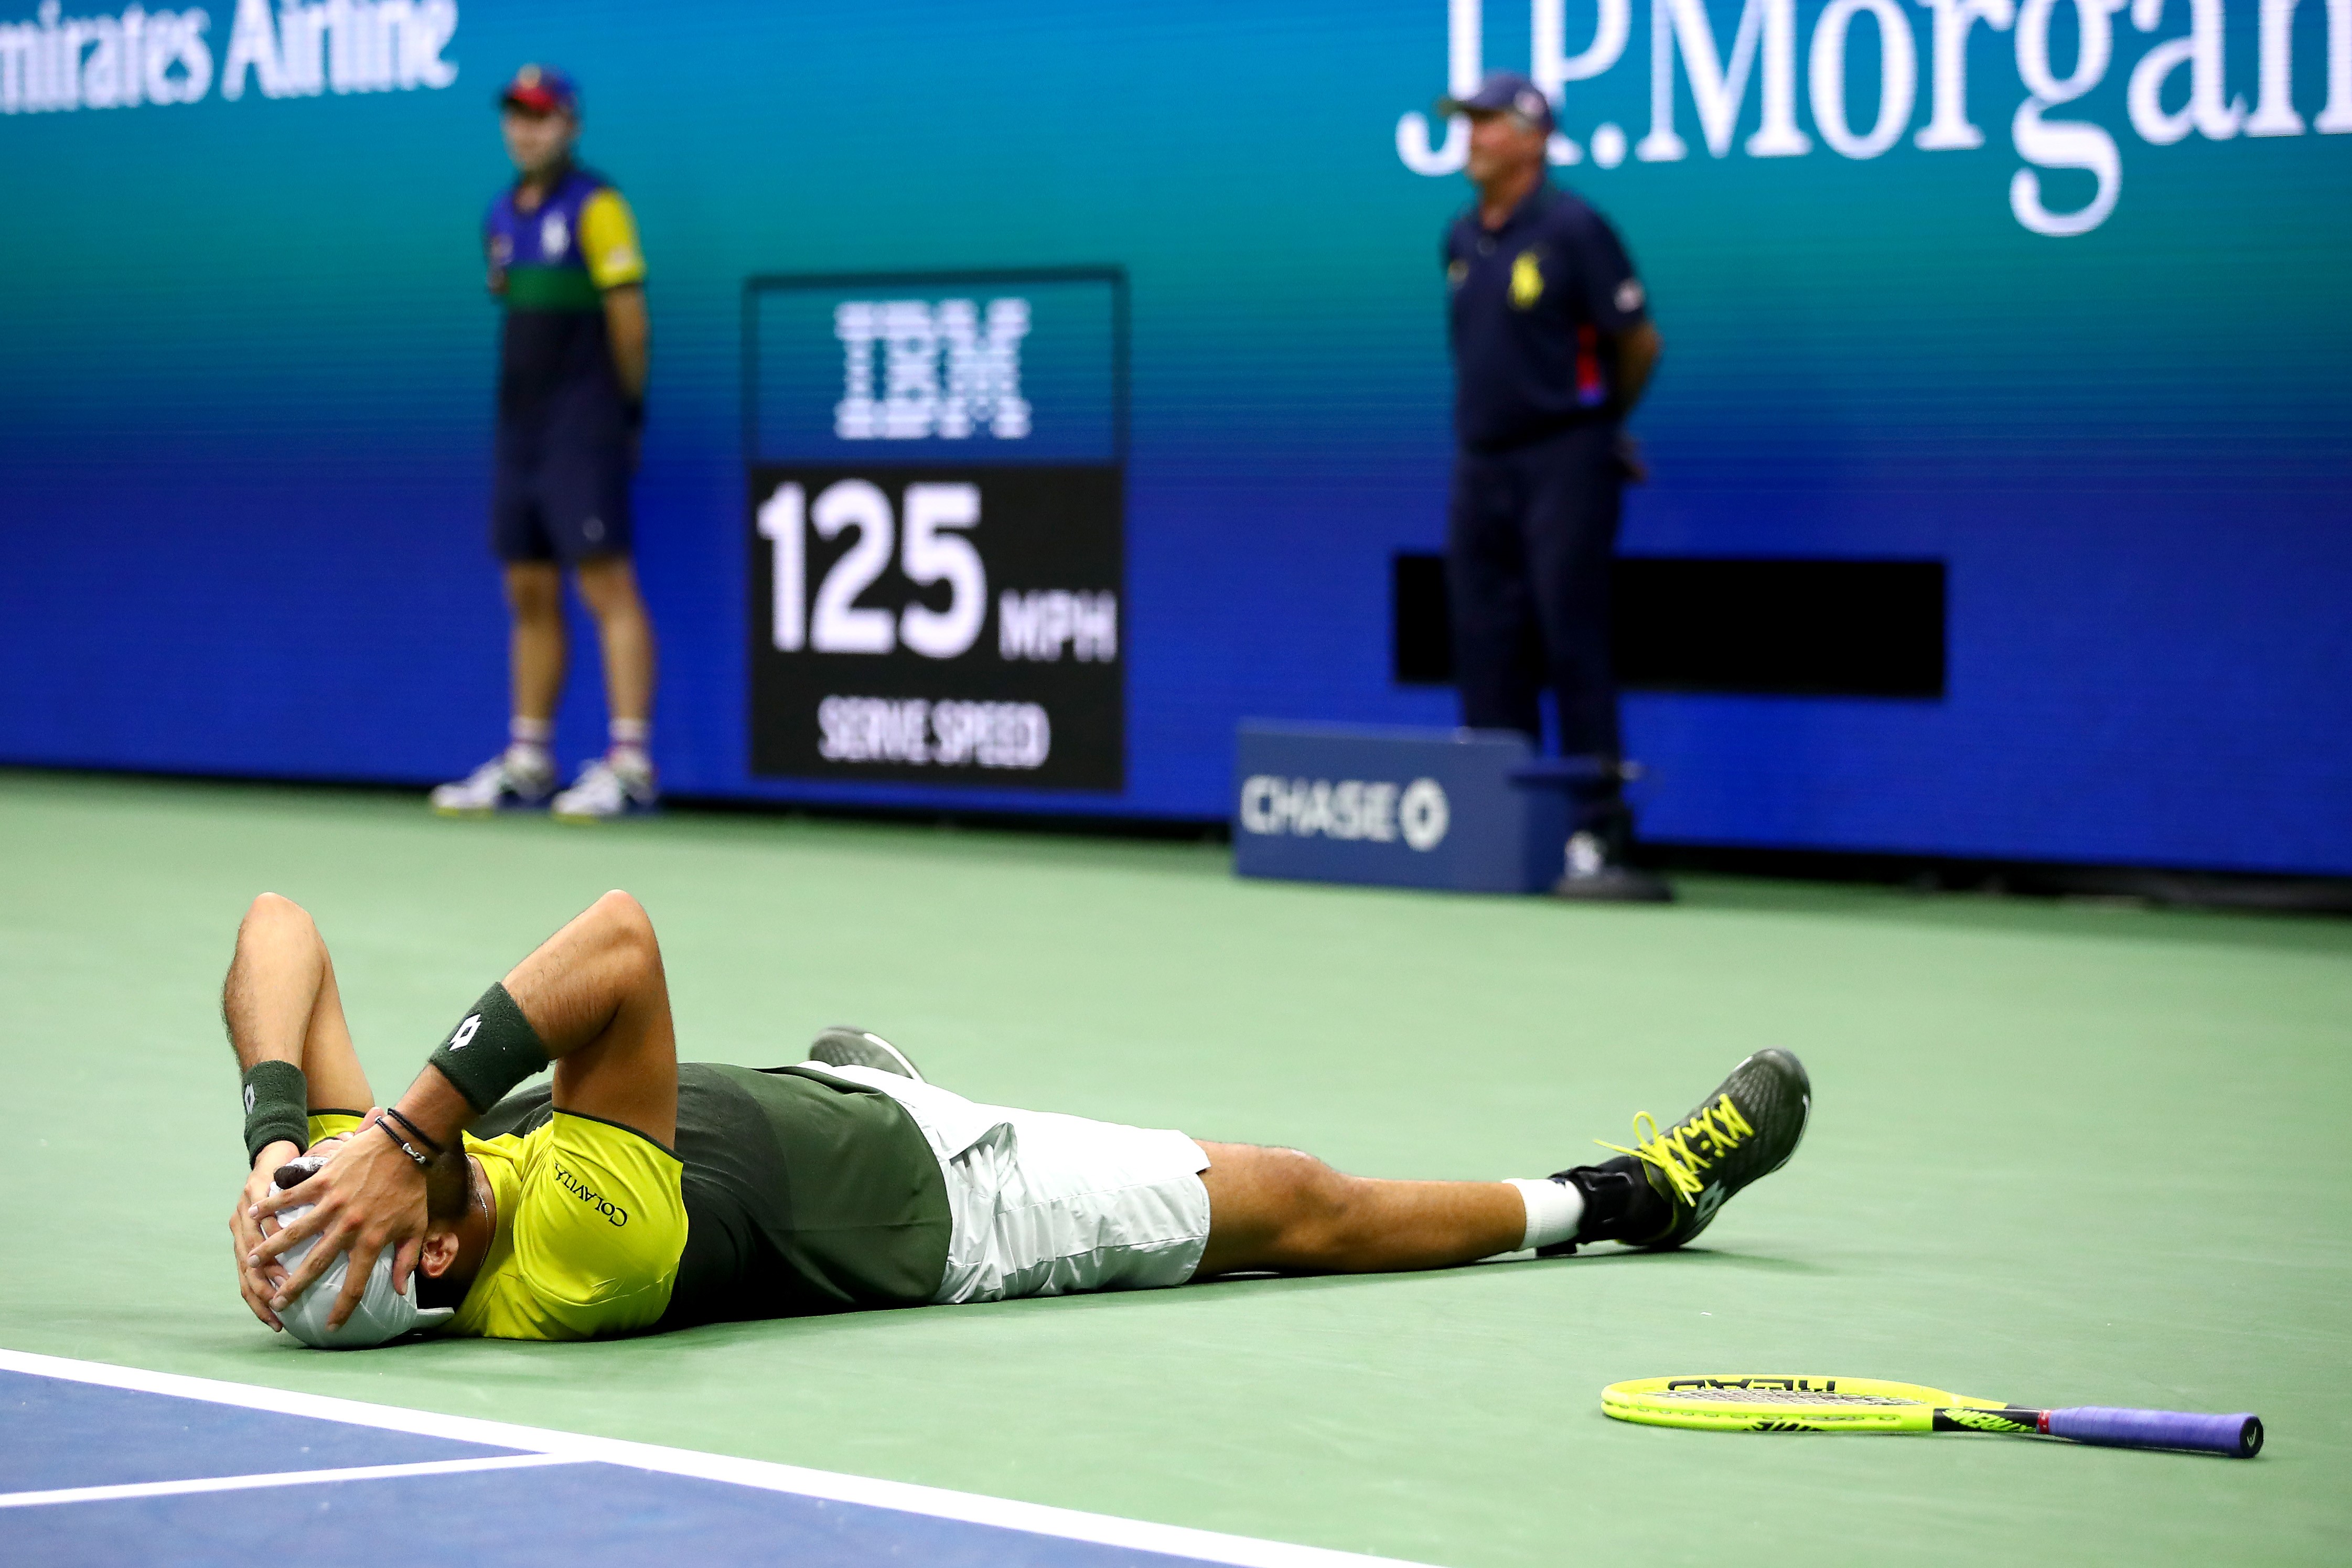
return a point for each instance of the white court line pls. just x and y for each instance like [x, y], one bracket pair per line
[933, 1502]
[280, 1478]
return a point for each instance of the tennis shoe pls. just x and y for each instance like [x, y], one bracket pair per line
[1670, 1184]
[846, 1047]
[1594, 867]
[603, 791]
[511, 781]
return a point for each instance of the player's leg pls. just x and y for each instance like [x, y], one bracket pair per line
[536, 649]
[1574, 485]
[588, 518]
[1279, 1209]
[524, 773]
[1494, 649]
[622, 780]
[608, 586]
[1574, 506]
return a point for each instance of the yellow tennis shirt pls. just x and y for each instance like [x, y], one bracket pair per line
[591, 1225]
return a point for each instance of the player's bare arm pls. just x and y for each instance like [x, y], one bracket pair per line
[1638, 350]
[631, 331]
[279, 1004]
[595, 996]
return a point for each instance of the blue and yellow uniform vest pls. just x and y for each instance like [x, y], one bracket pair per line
[551, 267]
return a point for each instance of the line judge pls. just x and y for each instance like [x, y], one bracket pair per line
[1552, 347]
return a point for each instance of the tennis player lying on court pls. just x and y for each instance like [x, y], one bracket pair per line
[640, 1193]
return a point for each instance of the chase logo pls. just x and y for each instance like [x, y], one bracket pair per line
[1350, 809]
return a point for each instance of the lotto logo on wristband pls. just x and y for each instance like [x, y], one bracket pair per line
[466, 1032]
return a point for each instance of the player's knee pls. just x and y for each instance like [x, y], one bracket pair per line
[1322, 1212]
[608, 586]
[534, 592]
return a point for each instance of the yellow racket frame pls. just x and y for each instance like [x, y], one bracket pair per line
[1715, 1402]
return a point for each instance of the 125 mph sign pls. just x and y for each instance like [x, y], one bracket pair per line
[940, 624]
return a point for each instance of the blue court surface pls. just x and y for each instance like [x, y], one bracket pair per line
[111, 1464]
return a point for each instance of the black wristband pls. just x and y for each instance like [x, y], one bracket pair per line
[493, 1049]
[277, 1100]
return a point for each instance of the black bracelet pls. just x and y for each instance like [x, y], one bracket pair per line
[406, 1148]
[416, 1131]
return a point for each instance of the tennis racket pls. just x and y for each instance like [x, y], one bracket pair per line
[1777, 1404]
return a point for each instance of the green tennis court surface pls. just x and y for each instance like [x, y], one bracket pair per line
[2060, 1154]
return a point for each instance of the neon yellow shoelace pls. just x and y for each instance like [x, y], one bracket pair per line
[1671, 1152]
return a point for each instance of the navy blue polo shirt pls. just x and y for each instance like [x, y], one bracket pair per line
[1533, 303]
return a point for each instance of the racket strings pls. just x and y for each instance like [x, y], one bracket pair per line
[1671, 1152]
[1779, 1396]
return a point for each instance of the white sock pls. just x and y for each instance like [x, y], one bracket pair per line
[527, 742]
[1554, 1211]
[628, 750]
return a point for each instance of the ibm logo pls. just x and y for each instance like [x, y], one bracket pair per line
[944, 373]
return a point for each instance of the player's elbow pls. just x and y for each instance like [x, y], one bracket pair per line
[276, 911]
[623, 923]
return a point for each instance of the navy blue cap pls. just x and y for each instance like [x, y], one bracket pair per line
[1505, 92]
[542, 89]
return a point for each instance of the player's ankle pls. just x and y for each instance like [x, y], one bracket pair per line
[528, 743]
[626, 751]
[1620, 1205]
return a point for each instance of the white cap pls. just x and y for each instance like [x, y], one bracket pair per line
[381, 1316]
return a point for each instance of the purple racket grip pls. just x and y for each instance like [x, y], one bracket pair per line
[2240, 1436]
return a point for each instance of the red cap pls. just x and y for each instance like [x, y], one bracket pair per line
[542, 89]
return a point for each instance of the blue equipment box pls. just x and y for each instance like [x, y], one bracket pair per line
[1470, 810]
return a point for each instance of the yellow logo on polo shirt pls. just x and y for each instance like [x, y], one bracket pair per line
[1527, 280]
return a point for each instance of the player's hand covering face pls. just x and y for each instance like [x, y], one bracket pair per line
[369, 1197]
[258, 1282]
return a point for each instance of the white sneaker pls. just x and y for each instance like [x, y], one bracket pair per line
[1586, 857]
[603, 792]
[505, 783]
[1592, 872]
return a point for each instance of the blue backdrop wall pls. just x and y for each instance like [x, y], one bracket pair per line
[2049, 289]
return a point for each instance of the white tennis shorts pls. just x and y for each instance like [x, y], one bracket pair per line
[1040, 1205]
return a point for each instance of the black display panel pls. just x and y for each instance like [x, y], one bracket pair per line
[938, 625]
[936, 521]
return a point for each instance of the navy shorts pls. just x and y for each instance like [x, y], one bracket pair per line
[560, 495]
